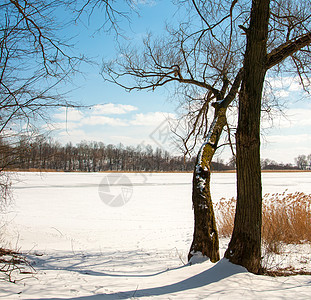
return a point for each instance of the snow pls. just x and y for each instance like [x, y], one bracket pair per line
[197, 257]
[82, 248]
[202, 181]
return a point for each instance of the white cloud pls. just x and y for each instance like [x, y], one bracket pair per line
[61, 126]
[281, 94]
[295, 86]
[69, 114]
[151, 119]
[74, 136]
[112, 109]
[78, 133]
[290, 140]
[102, 120]
[300, 117]
[128, 139]
[292, 118]
[285, 148]
[287, 83]
[73, 118]
[143, 2]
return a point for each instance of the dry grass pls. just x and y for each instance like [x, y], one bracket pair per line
[286, 219]
[225, 210]
[286, 228]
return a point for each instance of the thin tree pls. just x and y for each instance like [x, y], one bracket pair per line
[202, 67]
[35, 60]
[211, 57]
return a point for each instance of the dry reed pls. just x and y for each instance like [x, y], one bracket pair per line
[286, 219]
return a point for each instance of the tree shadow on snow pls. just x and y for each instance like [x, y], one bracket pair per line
[92, 264]
[223, 269]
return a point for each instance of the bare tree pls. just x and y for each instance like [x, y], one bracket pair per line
[302, 161]
[206, 71]
[33, 60]
[205, 61]
[36, 59]
[112, 11]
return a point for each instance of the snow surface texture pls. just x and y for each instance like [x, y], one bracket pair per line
[82, 248]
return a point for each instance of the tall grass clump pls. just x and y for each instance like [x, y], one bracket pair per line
[286, 219]
[225, 211]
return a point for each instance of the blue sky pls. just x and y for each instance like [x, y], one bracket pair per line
[140, 118]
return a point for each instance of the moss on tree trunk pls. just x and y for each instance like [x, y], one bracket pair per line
[205, 237]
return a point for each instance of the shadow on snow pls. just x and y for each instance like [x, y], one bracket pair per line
[222, 270]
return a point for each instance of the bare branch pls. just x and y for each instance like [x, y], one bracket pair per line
[287, 49]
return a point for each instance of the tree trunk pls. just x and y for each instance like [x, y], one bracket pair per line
[205, 237]
[245, 245]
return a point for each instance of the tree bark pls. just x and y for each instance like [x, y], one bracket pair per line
[205, 237]
[245, 245]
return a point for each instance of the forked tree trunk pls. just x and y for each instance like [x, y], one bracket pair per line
[205, 237]
[245, 245]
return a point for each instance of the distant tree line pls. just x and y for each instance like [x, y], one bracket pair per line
[45, 154]
[303, 162]
[268, 164]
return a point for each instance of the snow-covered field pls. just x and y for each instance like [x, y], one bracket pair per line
[85, 244]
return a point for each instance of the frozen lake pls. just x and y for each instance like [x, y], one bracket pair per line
[73, 210]
[85, 244]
